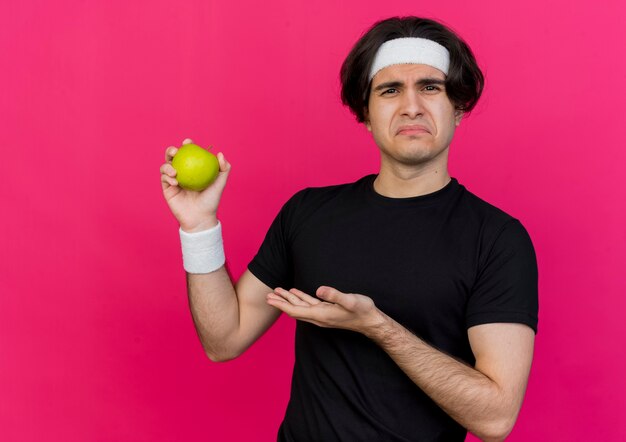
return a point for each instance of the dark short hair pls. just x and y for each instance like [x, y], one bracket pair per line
[464, 82]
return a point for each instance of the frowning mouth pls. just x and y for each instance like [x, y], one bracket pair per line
[412, 129]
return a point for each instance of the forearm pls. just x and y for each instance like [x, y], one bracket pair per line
[213, 304]
[215, 311]
[467, 395]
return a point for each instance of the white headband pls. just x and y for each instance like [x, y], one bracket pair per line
[411, 50]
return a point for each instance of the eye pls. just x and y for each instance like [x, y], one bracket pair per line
[390, 89]
[431, 88]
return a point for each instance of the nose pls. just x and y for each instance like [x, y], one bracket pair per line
[412, 105]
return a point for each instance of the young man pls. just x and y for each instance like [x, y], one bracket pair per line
[416, 300]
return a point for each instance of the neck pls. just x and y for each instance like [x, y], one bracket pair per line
[404, 182]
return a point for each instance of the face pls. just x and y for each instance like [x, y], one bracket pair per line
[410, 115]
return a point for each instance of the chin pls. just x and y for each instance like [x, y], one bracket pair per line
[414, 157]
[414, 161]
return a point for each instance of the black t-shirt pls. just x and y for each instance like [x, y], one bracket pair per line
[437, 264]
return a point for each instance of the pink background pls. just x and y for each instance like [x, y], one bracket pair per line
[96, 339]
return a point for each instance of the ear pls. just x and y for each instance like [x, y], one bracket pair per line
[458, 115]
[367, 119]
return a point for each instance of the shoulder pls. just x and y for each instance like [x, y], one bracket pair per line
[313, 198]
[312, 205]
[484, 210]
[497, 231]
[492, 221]
[502, 235]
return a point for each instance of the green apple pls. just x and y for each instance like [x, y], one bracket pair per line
[196, 168]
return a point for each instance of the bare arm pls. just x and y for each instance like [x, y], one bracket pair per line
[485, 399]
[228, 319]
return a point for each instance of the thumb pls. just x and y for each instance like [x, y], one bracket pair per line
[328, 294]
[220, 182]
[224, 165]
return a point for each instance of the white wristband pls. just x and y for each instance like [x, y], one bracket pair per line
[203, 252]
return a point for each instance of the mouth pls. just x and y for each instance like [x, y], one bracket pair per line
[413, 129]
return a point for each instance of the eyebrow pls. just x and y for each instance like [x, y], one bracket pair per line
[420, 82]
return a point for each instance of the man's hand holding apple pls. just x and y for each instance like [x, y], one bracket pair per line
[195, 211]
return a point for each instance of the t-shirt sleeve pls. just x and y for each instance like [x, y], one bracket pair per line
[506, 287]
[273, 263]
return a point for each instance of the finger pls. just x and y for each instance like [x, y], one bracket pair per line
[335, 296]
[168, 181]
[279, 303]
[304, 297]
[187, 141]
[291, 297]
[295, 311]
[168, 169]
[224, 165]
[277, 298]
[312, 314]
[169, 153]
